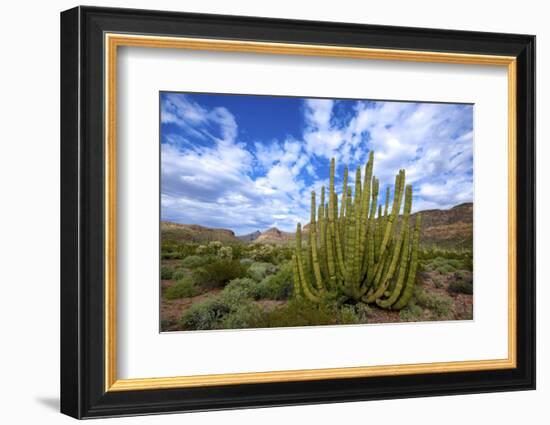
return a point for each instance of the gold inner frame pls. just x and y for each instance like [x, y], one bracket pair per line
[113, 41]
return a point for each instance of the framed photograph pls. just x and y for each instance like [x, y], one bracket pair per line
[261, 212]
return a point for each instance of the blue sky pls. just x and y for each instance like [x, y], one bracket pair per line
[248, 163]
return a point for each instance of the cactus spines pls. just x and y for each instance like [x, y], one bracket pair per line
[354, 251]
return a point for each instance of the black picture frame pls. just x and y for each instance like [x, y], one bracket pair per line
[83, 392]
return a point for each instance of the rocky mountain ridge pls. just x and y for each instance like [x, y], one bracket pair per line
[450, 228]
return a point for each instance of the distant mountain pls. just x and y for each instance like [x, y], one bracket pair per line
[195, 233]
[275, 236]
[451, 228]
[250, 237]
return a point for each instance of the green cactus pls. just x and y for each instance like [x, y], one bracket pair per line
[358, 248]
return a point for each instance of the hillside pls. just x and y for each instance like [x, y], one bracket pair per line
[275, 236]
[250, 237]
[452, 228]
[195, 233]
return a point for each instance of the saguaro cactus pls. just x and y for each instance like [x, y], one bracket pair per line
[354, 251]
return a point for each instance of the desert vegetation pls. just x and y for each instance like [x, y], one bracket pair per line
[362, 262]
[255, 289]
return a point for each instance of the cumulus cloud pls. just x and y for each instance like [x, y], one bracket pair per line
[212, 175]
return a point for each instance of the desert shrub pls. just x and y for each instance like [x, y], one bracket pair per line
[246, 315]
[410, 313]
[170, 255]
[363, 312]
[439, 305]
[464, 275]
[347, 315]
[284, 254]
[225, 252]
[183, 288]
[194, 261]
[462, 283]
[298, 312]
[239, 250]
[350, 314]
[217, 273]
[174, 250]
[455, 263]
[214, 246]
[201, 250]
[231, 308]
[431, 258]
[204, 315]
[438, 282]
[445, 269]
[166, 272]
[245, 287]
[262, 252]
[277, 286]
[258, 271]
[441, 265]
[247, 262]
[179, 274]
[461, 287]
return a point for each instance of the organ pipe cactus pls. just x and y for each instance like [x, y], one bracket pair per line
[358, 248]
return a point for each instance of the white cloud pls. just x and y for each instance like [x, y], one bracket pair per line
[223, 182]
[433, 142]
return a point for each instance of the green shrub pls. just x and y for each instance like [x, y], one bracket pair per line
[247, 262]
[411, 313]
[231, 308]
[171, 255]
[261, 252]
[258, 271]
[363, 312]
[462, 283]
[461, 287]
[298, 312]
[179, 274]
[217, 273]
[204, 315]
[238, 250]
[245, 287]
[438, 282]
[246, 315]
[183, 288]
[225, 252]
[277, 286]
[464, 275]
[439, 305]
[214, 246]
[347, 315]
[166, 272]
[176, 250]
[194, 261]
[201, 250]
[441, 264]
[446, 269]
